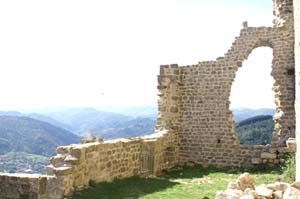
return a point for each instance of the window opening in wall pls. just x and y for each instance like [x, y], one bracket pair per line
[252, 98]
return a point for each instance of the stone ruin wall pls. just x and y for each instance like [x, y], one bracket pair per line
[194, 125]
[80, 164]
[29, 186]
[76, 166]
[195, 99]
[297, 70]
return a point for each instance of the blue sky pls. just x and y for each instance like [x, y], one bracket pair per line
[107, 53]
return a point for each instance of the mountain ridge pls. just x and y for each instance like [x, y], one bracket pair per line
[24, 134]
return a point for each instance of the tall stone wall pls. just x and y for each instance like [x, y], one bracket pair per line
[195, 99]
[297, 70]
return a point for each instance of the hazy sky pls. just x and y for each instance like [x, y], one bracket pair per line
[100, 53]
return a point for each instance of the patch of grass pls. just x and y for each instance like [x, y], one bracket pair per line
[289, 168]
[180, 183]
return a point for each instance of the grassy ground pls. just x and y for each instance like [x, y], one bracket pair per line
[180, 183]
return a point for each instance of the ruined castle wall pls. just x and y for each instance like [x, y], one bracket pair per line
[195, 99]
[76, 166]
[168, 87]
[166, 152]
[80, 164]
[297, 70]
[29, 186]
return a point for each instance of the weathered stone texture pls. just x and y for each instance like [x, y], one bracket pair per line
[297, 72]
[31, 186]
[194, 99]
[244, 187]
[80, 164]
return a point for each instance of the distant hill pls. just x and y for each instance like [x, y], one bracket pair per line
[240, 114]
[49, 120]
[255, 130]
[150, 111]
[37, 116]
[114, 122]
[23, 134]
[132, 128]
[85, 120]
[108, 125]
[137, 121]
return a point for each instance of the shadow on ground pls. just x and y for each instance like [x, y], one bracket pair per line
[130, 188]
[179, 183]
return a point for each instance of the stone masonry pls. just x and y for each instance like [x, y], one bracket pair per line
[297, 70]
[194, 99]
[78, 165]
[245, 188]
[194, 124]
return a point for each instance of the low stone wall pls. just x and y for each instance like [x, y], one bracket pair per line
[80, 164]
[76, 166]
[29, 186]
[269, 154]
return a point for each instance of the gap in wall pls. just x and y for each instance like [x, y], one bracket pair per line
[252, 98]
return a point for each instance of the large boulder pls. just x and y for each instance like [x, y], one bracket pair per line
[229, 194]
[278, 194]
[250, 191]
[291, 193]
[278, 186]
[296, 185]
[263, 191]
[245, 181]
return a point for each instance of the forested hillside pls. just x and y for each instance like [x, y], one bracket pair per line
[256, 130]
[26, 144]
[32, 136]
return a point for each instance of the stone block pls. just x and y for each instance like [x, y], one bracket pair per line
[263, 191]
[256, 161]
[266, 155]
[245, 181]
[291, 193]
[291, 145]
[62, 171]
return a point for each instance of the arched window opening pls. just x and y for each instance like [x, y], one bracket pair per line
[252, 99]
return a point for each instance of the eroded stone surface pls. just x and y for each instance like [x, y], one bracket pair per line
[245, 181]
[297, 73]
[278, 190]
[200, 95]
[263, 191]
